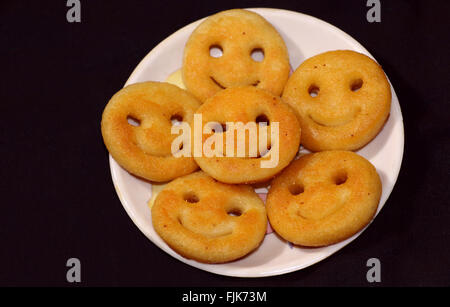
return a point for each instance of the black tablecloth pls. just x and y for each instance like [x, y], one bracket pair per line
[58, 199]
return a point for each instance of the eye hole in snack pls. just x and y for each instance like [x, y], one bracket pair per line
[176, 119]
[133, 121]
[356, 85]
[219, 127]
[313, 90]
[216, 51]
[257, 54]
[296, 189]
[262, 119]
[191, 197]
[340, 178]
[234, 212]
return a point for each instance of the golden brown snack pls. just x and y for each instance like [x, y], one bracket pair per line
[323, 198]
[209, 221]
[342, 99]
[144, 149]
[249, 106]
[237, 33]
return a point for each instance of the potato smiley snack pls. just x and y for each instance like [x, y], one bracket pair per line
[237, 34]
[323, 198]
[136, 128]
[342, 99]
[248, 105]
[209, 221]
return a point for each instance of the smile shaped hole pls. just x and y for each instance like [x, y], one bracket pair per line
[133, 121]
[191, 197]
[262, 119]
[356, 85]
[215, 51]
[176, 119]
[296, 189]
[257, 54]
[234, 212]
[256, 83]
[313, 90]
[263, 153]
[217, 83]
[340, 178]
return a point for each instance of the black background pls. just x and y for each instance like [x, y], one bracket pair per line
[58, 200]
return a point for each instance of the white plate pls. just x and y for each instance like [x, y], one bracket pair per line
[305, 36]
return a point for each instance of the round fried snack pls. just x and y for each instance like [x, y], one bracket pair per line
[342, 99]
[209, 221]
[323, 198]
[136, 128]
[237, 34]
[246, 157]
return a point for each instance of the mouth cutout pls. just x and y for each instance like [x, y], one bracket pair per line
[262, 155]
[209, 234]
[217, 83]
[320, 123]
[256, 83]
